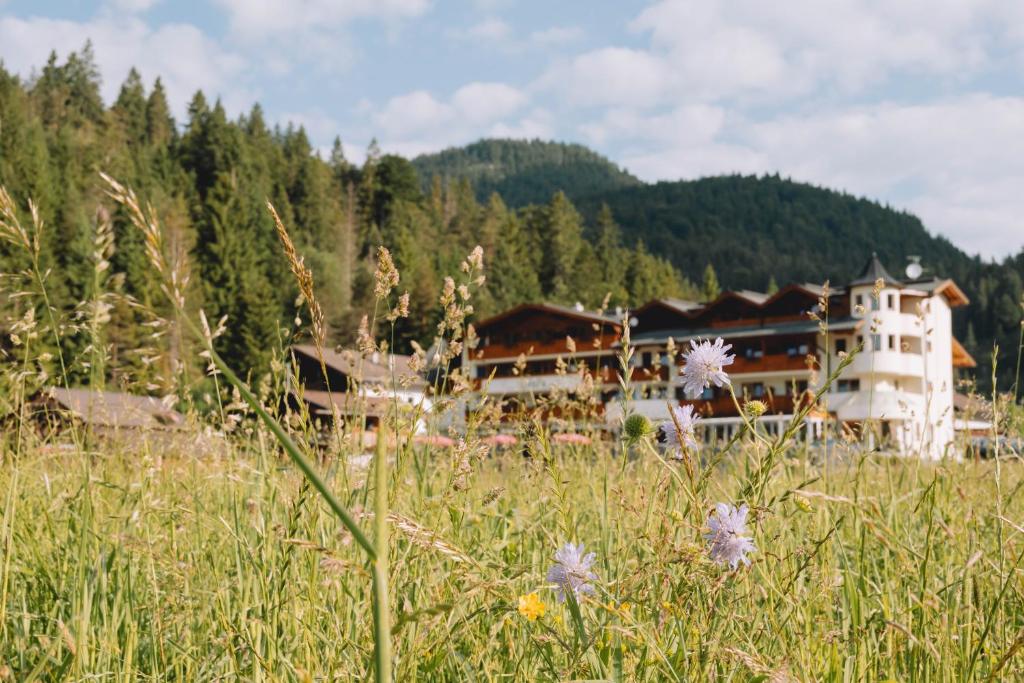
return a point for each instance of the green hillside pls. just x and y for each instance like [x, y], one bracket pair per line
[756, 230]
[557, 222]
[525, 172]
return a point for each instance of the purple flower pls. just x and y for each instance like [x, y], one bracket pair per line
[680, 432]
[704, 363]
[728, 541]
[571, 571]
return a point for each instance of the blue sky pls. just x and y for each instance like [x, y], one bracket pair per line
[916, 103]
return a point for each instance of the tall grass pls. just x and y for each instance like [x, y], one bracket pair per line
[128, 557]
[199, 568]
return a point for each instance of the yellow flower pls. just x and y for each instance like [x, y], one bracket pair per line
[531, 606]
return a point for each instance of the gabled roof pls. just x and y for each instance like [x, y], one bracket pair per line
[676, 305]
[681, 305]
[556, 309]
[377, 368]
[872, 272]
[961, 358]
[946, 287]
[115, 409]
[752, 296]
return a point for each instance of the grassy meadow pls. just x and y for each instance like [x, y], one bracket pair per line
[127, 565]
[250, 549]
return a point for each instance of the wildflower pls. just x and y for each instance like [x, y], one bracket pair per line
[571, 571]
[802, 503]
[704, 363]
[727, 539]
[531, 606]
[680, 431]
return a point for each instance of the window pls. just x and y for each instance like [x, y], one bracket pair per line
[708, 394]
[647, 359]
[891, 299]
[892, 342]
[840, 346]
[804, 349]
[791, 351]
[874, 303]
[844, 386]
[754, 390]
[859, 300]
[876, 342]
[680, 394]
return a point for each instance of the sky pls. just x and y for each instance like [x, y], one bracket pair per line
[918, 104]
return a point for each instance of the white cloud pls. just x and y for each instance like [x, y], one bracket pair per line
[609, 76]
[947, 161]
[418, 122]
[536, 124]
[470, 107]
[479, 103]
[180, 54]
[258, 19]
[413, 113]
[748, 51]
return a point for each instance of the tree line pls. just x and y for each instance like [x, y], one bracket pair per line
[208, 179]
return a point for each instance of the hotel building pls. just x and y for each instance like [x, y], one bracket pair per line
[900, 382]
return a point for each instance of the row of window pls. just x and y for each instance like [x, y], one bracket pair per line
[891, 343]
[889, 301]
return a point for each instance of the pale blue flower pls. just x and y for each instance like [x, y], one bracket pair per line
[571, 571]
[681, 432]
[728, 541]
[704, 363]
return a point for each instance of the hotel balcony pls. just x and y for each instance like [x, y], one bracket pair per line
[897, 363]
[720, 406]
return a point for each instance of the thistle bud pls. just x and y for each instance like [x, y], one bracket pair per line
[636, 427]
[755, 409]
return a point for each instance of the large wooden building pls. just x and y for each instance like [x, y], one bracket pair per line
[786, 345]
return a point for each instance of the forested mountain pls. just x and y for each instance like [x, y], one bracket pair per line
[756, 231]
[209, 177]
[548, 216]
[525, 172]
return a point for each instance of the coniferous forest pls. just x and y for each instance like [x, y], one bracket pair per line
[556, 222]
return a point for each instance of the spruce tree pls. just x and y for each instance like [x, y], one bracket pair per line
[710, 288]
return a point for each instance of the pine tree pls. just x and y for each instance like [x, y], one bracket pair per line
[130, 110]
[511, 276]
[561, 239]
[710, 289]
[613, 259]
[160, 130]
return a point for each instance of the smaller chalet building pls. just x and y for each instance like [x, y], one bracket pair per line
[902, 380]
[519, 353]
[356, 385]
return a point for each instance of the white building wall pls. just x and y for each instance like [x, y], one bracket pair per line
[905, 369]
